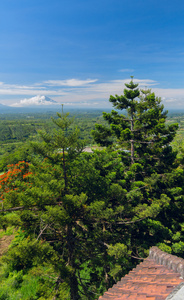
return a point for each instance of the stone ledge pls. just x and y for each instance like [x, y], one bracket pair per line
[172, 262]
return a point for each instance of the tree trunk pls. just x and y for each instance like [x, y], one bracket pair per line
[64, 170]
[74, 288]
[132, 142]
[74, 293]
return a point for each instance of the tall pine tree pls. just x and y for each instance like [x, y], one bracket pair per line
[142, 139]
[142, 134]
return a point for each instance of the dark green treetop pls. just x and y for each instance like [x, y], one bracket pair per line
[142, 134]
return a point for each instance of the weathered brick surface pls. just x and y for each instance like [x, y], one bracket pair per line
[153, 279]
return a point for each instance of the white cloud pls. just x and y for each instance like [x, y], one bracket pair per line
[28, 90]
[127, 70]
[70, 82]
[169, 92]
[171, 100]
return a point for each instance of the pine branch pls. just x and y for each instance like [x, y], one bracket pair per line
[27, 207]
[132, 222]
[84, 288]
[42, 231]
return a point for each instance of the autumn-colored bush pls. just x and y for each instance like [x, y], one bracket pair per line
[8, 180]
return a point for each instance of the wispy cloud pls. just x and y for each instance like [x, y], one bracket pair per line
[28, 90]
[70, 82]
[85, 92]
[126, 70]
[171, 97]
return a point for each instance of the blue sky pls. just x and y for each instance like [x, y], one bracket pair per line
[79, 52]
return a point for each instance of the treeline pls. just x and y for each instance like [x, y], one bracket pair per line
[16, 126]
[16, 134]
[11, 131]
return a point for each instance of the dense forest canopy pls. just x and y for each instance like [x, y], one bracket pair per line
[15, 135]
[85, 219]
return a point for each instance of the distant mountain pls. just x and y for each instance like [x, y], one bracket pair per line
[34, 108]
[43, 104]
[35, 101]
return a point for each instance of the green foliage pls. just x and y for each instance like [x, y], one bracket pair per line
[36, 284]
[23, 128]
[86, 217]
[9, 221]
[164, 248]
[7, 232]
[27, 254]
[118, 250]
[4, 295]
[115, 271]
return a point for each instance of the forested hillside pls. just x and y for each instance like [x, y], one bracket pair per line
[83, 220]
[17, 130]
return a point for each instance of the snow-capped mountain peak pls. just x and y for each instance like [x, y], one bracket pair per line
[37, 100]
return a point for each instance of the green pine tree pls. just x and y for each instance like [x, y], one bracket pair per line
[142, 139]
[141, 134]
[64, 208]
